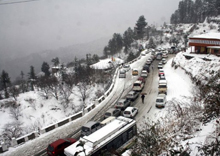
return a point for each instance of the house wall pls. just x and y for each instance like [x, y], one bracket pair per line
[201, 44]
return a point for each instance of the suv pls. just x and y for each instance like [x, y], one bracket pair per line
[57, 147]
[132, 95]
[161, 100]
[112, 112]
[130, 112]
[122, 104]
[122, 74]
[90, 127]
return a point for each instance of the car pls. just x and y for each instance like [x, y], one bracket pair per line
[161, 72]
[141, 79]
[148, 62]
[132, 95]
[143, 53]
[107, 120]
[126, 67]
[138, 86]
[161, 100]
[90, 127]
[57, 147]
[122, 73]
[112, 112]
[134, 72]
[130, 112]
[162, 77]
[122, 104]
[160, 65]
[162, 88]
[147, 68]
[164, 55]
[144, 73]
[164, 61]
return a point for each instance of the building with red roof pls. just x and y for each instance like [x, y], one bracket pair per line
[207, 43]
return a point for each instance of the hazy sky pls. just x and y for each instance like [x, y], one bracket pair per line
[49, 24]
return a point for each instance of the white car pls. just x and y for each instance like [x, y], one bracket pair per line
[130, 112]
[161, 100]
[122, 74]
[126, 67]
[144, 73]
[164, 61]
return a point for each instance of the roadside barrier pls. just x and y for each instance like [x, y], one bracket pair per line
[15, 142]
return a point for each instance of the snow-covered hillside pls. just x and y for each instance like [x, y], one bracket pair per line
[36, 112]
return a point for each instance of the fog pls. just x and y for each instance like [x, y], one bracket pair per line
[48, 24]
[34, 26]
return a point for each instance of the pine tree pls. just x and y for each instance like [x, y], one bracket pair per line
[128, 38]
[151, 43]
[45, 68]
[106, 51]
[32, 77]
[140, 25]
[55, 61]
[115, 44]
[5, 80]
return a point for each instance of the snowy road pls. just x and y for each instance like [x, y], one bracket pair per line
[178, 83]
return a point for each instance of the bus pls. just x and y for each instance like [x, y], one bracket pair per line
[105, 141]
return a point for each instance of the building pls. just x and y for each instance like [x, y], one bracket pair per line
[207, 43]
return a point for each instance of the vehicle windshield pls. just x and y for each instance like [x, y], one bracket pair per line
[136, 84]
[126, 112]
[159, 100]
[162, 86]
[85, 129]
[107, 114]
[50, 148]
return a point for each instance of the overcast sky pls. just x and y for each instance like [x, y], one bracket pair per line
[49, 24]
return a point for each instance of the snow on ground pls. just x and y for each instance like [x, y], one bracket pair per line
[107, 63]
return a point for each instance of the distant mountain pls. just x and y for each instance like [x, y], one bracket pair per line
[14, 66]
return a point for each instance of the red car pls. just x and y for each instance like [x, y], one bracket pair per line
[57, 148]
[141, 79]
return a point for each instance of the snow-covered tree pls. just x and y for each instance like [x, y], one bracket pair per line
[140, 26]
[5, 81]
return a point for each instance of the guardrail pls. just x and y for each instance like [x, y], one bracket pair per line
[16, 141]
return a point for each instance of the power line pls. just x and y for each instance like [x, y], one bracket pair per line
[25, 1]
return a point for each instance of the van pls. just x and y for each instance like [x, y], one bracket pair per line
[138, 86]
[89, 128]
[107, 120]
[161, 100]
